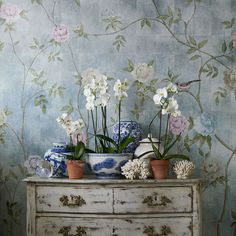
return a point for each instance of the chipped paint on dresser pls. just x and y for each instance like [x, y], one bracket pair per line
[113, 208]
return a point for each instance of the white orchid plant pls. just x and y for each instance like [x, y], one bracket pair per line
[74, 129]
[95, 88]
[164, 99]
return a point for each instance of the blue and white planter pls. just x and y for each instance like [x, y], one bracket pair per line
[128, 128]
[106, 165]
[57, 157]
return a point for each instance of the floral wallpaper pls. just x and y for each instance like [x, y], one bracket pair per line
[45, 46]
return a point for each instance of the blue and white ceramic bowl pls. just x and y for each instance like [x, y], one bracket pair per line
[57, 157]
[128, 128]
[107, 166]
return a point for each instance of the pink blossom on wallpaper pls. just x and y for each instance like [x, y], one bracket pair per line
[9, 12]
[178, 124]
[60, 33]
[234, 39]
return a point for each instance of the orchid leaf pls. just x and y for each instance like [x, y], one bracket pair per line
[87, 150]
[145, 153]
[106, 138]
[155, 150]
[110, 150]
[124, 143]
[171, 145]
[79, 150]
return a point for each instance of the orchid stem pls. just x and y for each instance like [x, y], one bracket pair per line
[149, 127]
[159, 138]
[119, 115]
[167, 128]
[95, 132]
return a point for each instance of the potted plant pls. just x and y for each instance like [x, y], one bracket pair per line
[76, 148]
[175, 124]
[75, 163]
[107, 159]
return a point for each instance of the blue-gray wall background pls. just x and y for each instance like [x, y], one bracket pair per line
[39, 81]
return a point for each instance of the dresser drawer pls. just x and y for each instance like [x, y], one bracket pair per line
[55, 226]
[153, 200]
[74, 199]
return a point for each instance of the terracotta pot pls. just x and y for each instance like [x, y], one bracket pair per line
[160, 168]
[75, 169]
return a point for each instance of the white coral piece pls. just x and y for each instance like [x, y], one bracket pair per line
[136, 169]
[183, 169]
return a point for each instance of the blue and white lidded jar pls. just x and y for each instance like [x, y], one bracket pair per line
[57, 157]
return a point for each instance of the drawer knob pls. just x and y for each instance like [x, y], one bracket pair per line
[72, 200]
[156, 200]
[65, 231]
[150, 231]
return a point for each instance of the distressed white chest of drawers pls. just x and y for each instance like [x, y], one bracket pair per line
[63, 207]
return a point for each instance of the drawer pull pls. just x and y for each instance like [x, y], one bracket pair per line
[73, 201]
[65, 231]
[156, 201]
[150, 231]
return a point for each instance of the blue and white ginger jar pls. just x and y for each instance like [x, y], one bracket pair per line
[57, 157]
[128, 128]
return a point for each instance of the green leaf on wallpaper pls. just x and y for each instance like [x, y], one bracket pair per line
[191, 123]
[162, 17]
[23, 15]
[68, 108]
[37, 77]
[153, 82]
[195, 57]
[202, 43]
[230, 45]
[113, 22]
[229, 58]
[179, 13]
[215, 72]
[9, 27]
[192, 41]
[54, 56]
[188, 1]
[224, 47]
[171, 77]
[119, 42]
[130, 66]
[209, 141]
[137, 111]
[146, 22]
[191, 50]
[228, 23]
[219, 94]
[42, 102]
[36, 41]
[36, 1]
[1, 45]
[169, 11]
[201, 153]
[77, 2]
[150, 63]
[80, 31]
[56, 90]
